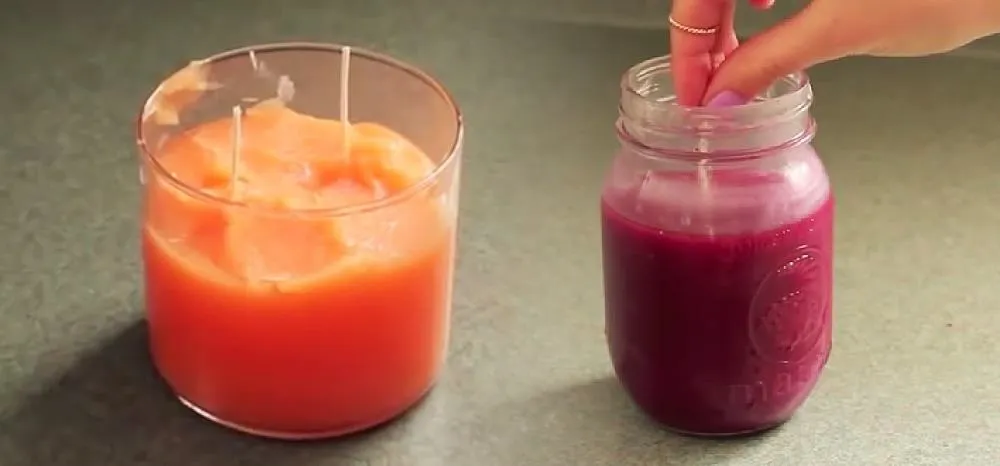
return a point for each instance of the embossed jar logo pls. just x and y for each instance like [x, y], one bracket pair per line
[789, 312]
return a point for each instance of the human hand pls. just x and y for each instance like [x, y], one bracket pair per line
[695, 56]
[829, 29]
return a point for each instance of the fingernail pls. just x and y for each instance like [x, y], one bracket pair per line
[726, 99]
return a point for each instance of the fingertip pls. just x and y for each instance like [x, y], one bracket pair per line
[690, 76]
[726, 99]
[689, 90]
[792, 45]
[732, 79]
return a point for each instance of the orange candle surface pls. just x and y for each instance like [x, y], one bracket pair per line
[274, 319]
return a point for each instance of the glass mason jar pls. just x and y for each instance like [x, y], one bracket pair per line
[717, 228]
[298, 283]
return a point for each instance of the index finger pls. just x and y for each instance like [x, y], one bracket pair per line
[691, 54]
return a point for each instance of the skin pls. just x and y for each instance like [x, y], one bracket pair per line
[824, 30]
[695, 57]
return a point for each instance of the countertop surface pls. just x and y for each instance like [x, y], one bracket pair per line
[912, 147]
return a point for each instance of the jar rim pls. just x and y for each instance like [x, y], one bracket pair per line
[650, 116]
[796, 94]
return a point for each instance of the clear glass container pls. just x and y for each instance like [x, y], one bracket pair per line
[298, 282]
[717, 231]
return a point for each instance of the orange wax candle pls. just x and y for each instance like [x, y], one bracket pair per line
[309, 296]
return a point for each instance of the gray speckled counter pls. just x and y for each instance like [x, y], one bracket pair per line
[913, 147]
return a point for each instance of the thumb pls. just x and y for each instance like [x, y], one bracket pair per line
[803, 40]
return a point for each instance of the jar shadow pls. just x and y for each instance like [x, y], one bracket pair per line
[595, 423]
[112, 409]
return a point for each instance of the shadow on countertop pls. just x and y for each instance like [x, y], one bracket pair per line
[595, 420]
[111, 409]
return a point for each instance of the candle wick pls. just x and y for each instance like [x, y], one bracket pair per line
[703, 168]
[345, 76]
[258, 65]
[253, 61]
[703, 175]
[237, 148]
